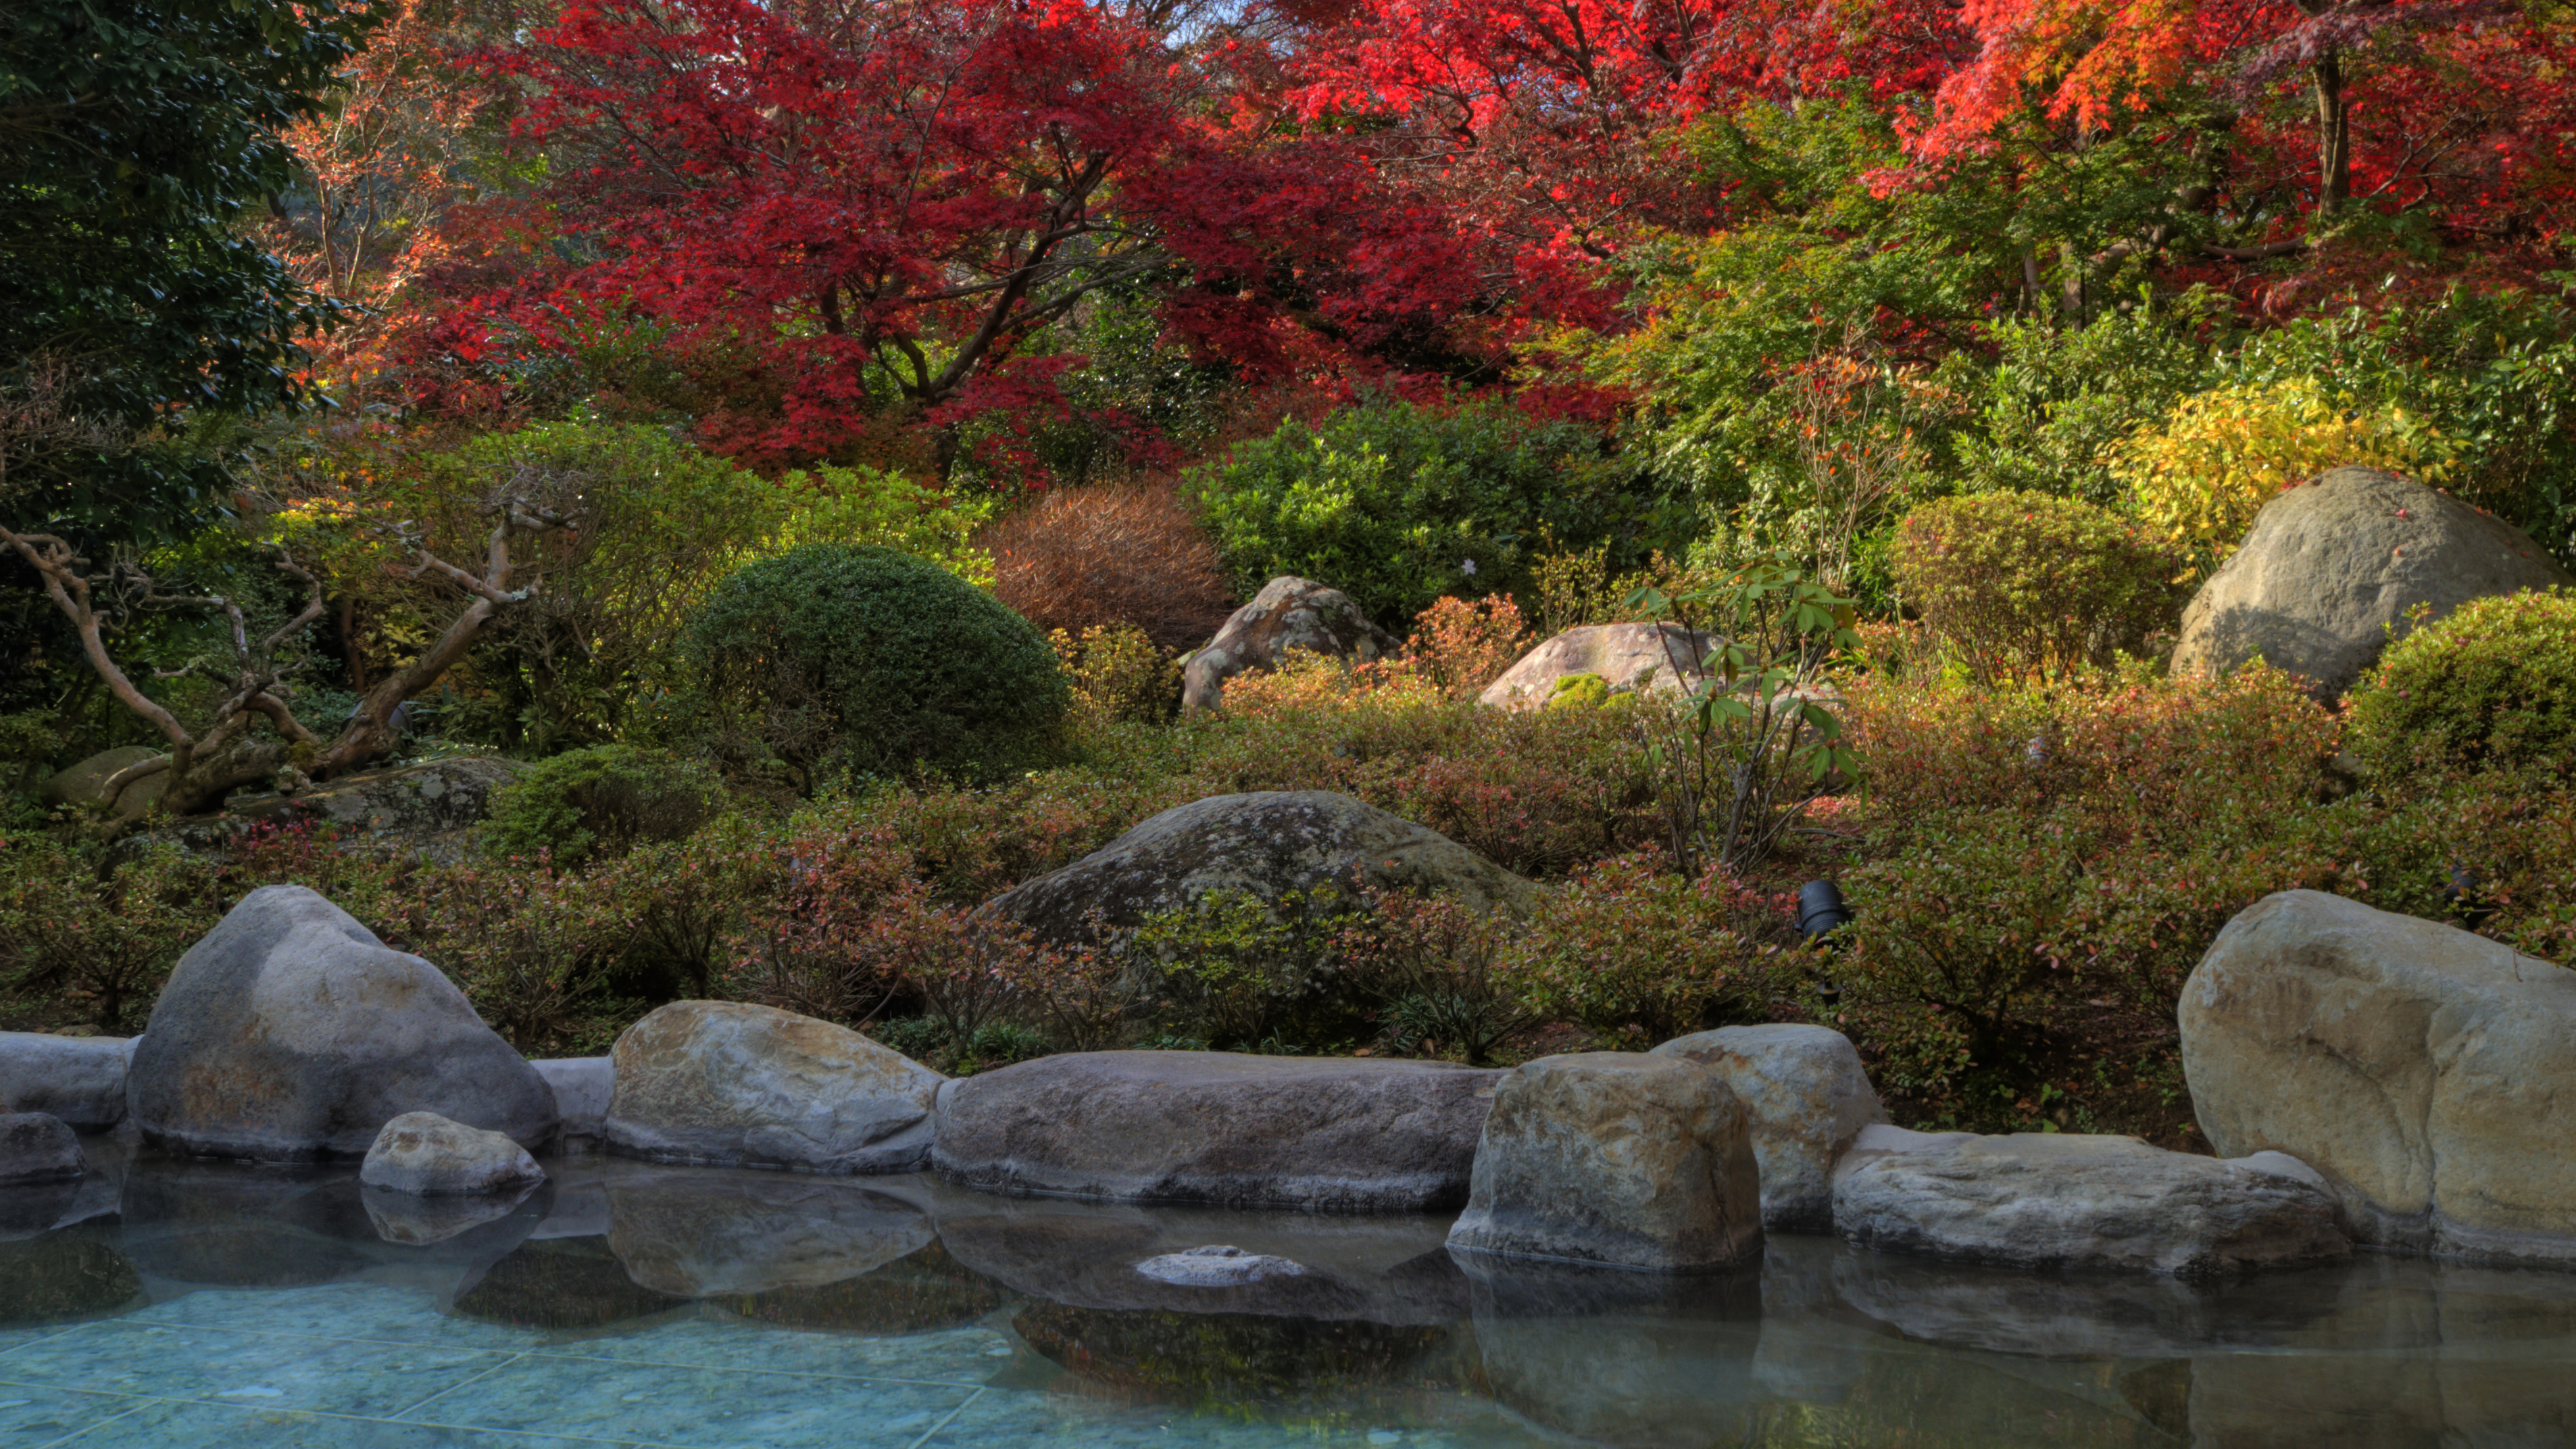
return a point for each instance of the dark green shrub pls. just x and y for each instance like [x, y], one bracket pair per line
[2022, 584]
[600, 802]
[1397, 504]
[2491, 687]
[865, 659]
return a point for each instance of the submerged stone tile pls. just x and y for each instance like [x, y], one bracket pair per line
[550, 1393]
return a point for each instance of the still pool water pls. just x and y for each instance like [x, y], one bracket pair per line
[177, 1303]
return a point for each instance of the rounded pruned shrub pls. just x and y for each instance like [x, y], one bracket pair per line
[2018, 585]
[837, 658]
[2490, 686]
[600, 802]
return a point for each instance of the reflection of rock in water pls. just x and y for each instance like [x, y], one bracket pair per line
[1240, 1363]
[229, 1225]
[2136, 1315]
[1628, 1359]
[29, 1208]
[561, 1283]
[915, 1294]
[408, 1219]
[1384, 1269]
[2414, 1353]
[64, 1276]
[697, 1234]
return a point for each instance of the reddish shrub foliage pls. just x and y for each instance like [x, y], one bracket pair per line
[1127, 553]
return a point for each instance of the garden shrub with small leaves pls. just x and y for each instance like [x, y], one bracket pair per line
[859, 659]
[2491, 686]
[2022, 585]
[600, 802]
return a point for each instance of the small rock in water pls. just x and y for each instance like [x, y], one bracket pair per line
[1217, 1266]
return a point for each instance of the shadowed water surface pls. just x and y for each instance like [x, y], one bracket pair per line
[172, 1302]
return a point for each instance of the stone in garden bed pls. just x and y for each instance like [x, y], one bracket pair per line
[80, 1079]
[2072, 1201]
[289, 1033]
[1319, 1133]
[2331, 567]
[731, 1084]
[1271, 845]
[1619, 1159]
[1623, 656]
[1289, 615]
[1806, 1098]
[2428, 1073]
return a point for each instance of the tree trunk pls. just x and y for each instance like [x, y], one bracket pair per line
[2334, 134]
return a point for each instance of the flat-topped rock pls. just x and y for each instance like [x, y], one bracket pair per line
[1621, 1159]
[426, 1155]
[727, 1083]
[2427, 1073]
[2069, 1201]
[1806, 1097]
[291, 1034]
[80, 1079]
[1624, 656]
[1319, 1133]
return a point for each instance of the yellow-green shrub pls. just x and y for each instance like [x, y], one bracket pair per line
[2203, 472]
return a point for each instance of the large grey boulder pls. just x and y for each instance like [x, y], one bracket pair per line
[583, 1087]
[2330, 567]
[1622, 1159]
[1625, 656]
[1806, 1097]
[289, 1033]
[724, 1082]
[425, 1154]
[2068, 1201]
[1271, 845]
[1317, 1133]
[83, 786]
[35, 1147]
[1289, 615]
[2428, 1073]
[80, 1079]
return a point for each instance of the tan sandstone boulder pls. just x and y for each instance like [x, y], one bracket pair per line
[1620, 1159]
[2429, 1074]
[724, 1082]
[2330, 566]
[1289, 615]
[1625, 656]
[1806, 1098]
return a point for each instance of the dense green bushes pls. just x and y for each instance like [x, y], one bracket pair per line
[2492, 686]
[836, 658]
[2020, 584]
[1396, 503]
[601, 801]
